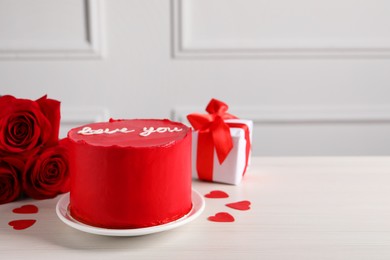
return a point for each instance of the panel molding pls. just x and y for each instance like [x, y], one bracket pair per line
[184, 48]
[301, 114]
[89, 48]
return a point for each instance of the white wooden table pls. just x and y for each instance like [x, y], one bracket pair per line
[302, 208]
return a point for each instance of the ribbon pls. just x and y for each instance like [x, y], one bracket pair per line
[213, 133]
[219, 108]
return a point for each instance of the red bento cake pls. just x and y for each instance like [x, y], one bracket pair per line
[130, 173]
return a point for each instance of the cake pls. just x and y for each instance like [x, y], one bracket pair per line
[128, 174]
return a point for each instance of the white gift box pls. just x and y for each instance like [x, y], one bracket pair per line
[232, 169]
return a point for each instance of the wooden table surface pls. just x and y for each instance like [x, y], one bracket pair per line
[301, 208]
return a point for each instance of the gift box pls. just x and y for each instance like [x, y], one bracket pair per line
[221, 145]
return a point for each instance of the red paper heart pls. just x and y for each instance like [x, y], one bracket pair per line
[221, 217]
[216, 194]
[22, 223]
[26, 209]
[240, 205]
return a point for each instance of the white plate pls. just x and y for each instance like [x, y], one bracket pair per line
[63, 213]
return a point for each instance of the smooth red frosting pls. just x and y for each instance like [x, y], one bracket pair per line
[130, 173]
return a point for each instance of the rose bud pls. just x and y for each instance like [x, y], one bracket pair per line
[46, 174]
[10, 172]
[26, 125]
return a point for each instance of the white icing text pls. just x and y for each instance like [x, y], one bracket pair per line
[150, 130]
[89, 131]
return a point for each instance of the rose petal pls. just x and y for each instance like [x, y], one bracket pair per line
[51, 109]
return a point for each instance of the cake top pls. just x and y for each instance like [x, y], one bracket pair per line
[130, 133]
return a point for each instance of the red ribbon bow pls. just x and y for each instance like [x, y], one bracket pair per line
[213, 132]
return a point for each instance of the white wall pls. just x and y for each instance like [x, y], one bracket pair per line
[313, 75]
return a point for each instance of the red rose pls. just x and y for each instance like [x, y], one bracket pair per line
[46, 174]
[26, 125]
[10, 172]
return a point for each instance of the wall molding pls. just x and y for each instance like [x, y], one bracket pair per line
[89, 48]
[184, 47]
[301, 115]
